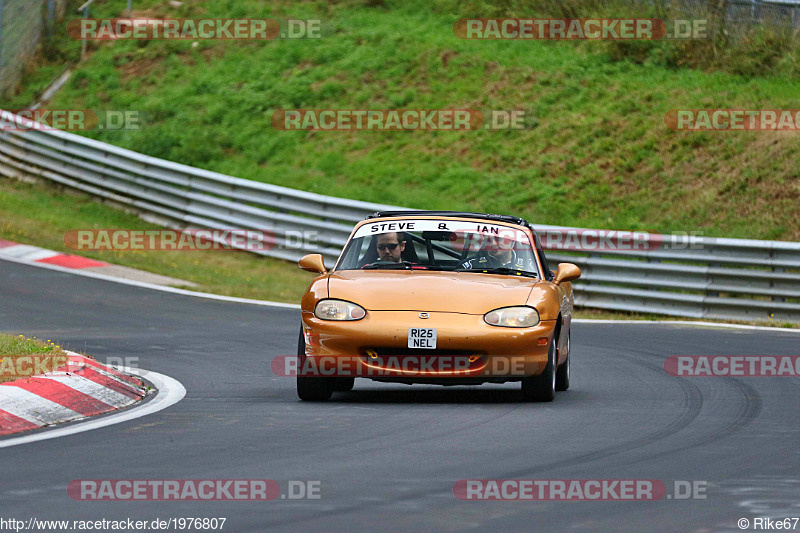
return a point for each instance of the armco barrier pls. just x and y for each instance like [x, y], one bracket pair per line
[672, 274]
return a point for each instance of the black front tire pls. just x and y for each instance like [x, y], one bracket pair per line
[314, 389]
[311, 389]
[542, 388]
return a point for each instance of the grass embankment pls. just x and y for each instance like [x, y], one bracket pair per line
[598, 153]
[22, 357]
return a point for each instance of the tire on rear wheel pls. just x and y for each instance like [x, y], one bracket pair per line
[311, 389]
[562, 374]
[542, 388]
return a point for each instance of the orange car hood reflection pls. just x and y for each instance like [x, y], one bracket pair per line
[419, 290]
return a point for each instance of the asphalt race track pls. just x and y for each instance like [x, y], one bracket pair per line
[387, 456]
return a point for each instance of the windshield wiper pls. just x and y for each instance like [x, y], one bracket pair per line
[499, 270]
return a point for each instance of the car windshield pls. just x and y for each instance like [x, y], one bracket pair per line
[433, 244]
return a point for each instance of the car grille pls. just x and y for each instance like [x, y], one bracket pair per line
[422, 360]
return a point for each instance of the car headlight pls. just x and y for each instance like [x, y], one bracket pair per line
[338, 310]
[512, 317]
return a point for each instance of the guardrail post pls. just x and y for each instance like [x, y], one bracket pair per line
[83, 41]
[85, 9]
[772, 284]
[2, 9]
[712, 294]
[51, 16]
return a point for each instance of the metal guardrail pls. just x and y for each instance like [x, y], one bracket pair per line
[744, 13]
[668, 274]
[739, 15]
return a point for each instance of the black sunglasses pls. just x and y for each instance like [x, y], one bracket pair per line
[391, 246]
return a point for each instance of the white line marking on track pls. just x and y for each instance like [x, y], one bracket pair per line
[684, 323]
[162, 288]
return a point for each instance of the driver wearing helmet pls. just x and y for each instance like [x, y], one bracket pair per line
[500, 252]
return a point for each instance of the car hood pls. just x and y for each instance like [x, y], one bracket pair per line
[419, 290]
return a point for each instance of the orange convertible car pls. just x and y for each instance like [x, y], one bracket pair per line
[437, 297]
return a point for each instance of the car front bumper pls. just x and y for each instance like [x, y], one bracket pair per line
[467, 348]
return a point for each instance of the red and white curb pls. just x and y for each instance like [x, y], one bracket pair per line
[82, 388]
[34, 254]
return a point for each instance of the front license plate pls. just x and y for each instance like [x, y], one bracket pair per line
[422, 338]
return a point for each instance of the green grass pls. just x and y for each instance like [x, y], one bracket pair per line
[21, 345]
[598, 154]
[41, 215]
[12, 346]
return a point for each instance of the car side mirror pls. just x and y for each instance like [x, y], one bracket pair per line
[566, 272]
[313, 263]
